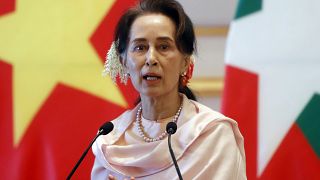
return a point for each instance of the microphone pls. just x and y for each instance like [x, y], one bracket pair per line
[171, 129]
[104, 129]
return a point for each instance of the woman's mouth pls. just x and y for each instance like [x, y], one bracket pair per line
[151, 77]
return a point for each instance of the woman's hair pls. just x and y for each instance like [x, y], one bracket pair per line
[184, 35]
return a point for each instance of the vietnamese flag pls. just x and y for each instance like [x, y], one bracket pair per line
[272, 86]
[53, 98]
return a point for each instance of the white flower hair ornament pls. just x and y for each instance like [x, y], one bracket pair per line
[113, 66]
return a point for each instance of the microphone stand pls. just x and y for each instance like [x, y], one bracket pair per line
[173, 157]
[83, 155]
[104, 129]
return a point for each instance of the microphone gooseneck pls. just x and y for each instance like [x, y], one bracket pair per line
[103, 130]
[171, 129]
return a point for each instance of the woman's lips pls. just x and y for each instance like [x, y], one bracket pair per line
[151, 78]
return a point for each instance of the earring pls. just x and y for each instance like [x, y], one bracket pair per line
[186, 76]
[184, 79]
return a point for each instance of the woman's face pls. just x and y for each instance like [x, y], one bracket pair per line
[152, 57]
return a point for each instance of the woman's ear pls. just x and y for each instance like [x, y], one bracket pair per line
[186, 64]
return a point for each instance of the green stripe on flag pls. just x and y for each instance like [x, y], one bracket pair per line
[309, 122]
[246, 7]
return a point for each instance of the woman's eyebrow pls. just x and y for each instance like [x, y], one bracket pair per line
[165, 38]
[138, 40]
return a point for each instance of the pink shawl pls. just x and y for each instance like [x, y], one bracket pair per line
[207, 145]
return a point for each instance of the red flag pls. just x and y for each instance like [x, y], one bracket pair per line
[52, 96]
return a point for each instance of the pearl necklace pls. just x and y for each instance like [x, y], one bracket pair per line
[143, 134]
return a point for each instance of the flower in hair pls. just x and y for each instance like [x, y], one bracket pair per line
[113, 66]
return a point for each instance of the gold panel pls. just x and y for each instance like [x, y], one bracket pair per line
[207, 87]
[211, 31]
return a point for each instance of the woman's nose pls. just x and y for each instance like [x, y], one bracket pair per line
[151, 59]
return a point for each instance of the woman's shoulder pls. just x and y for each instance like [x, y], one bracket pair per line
[205, 119]
[199, 115]
[124, 115]
[206, 112]
[209, 121]
[120, 123]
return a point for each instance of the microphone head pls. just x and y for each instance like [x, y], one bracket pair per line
[171, 128]
[106, 128]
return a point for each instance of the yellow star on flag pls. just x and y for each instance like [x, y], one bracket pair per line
[47, 42]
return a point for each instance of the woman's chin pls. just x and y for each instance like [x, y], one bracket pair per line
[151, 93]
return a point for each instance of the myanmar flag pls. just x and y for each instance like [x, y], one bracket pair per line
[52, 96]
[272, 86]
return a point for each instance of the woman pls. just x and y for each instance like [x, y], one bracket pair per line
[154, 43]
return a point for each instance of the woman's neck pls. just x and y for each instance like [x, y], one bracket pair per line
[156, 108]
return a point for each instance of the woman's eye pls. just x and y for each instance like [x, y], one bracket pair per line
[139, 48]
[164, 47]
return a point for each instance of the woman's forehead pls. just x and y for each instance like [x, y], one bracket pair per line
[156, 26]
